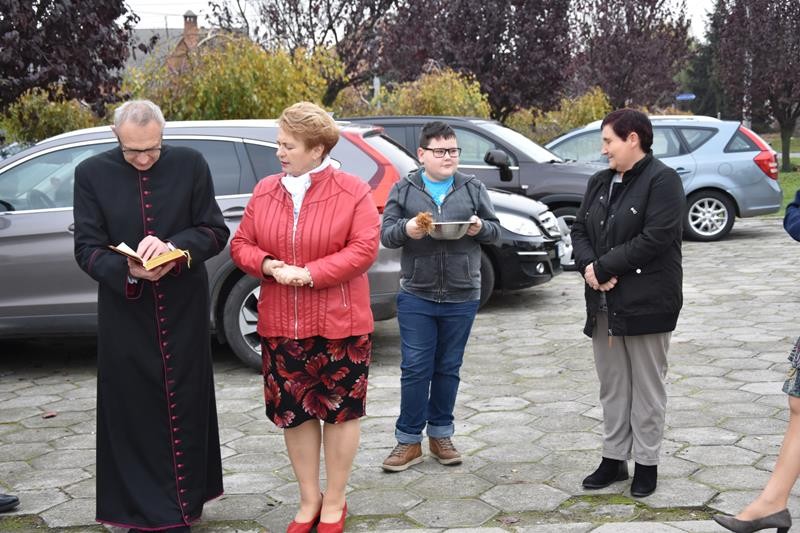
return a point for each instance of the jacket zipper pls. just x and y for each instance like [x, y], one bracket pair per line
[294, 262]
[441, 285]
[344, 296]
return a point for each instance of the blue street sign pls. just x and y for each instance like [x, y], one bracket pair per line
[685, 96]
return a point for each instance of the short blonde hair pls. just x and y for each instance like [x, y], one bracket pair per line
[311, 124]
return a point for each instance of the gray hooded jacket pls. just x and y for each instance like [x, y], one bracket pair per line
[440, 270]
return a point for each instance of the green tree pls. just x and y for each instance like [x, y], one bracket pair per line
[571, 113]
[40, 113]
[232, 78]
[444, 92]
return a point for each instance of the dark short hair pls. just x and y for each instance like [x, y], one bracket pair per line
[435, 130]
[625, 121]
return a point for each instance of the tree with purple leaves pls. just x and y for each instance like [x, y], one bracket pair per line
[516, 49]
[759, 60]
[632, 49]
[79, 46]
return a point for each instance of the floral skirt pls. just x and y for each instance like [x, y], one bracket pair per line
[315, 378]
[792, 384]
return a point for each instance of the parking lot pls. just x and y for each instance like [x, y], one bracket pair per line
[528, 417]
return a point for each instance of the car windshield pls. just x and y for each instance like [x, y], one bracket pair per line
[522, 143]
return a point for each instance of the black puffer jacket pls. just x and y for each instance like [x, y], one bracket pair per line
[636, 237]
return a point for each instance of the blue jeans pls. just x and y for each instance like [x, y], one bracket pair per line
[433, 336]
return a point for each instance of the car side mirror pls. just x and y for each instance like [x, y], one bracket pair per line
[501, 160]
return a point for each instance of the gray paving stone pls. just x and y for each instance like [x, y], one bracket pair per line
[754, 426]
[702, 436]
[434, 486]
[500, 434]
[37, 435]
[499, 403]
[17, 414]
[247, 483]
[75, 512]
[671, 466]
[512, 453]
[569, 441]
[255, 462]
[675, 492]
[64, 459]
[36, 501]
[513, 473]
[719, 455]
[236, 507]
[15, 468]
[47, 479]
[381, 501]
[82, 489]
[698, 526]
[60, 420]
[732, 477]
[766, 444]
[452, 513]
[636, 527]
[525, 497]
[375, 477]
[581, 527]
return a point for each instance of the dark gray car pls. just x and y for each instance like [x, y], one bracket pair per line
[42, 290]
[489, 150]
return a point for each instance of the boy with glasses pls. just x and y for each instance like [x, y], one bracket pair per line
[440, 291]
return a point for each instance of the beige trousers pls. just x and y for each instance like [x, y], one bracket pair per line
[632, 372]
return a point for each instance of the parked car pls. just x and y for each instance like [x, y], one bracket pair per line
[534, 244]
[727, 169]
[42, 290]
[502, 158]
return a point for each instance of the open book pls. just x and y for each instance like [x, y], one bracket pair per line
[172, 255]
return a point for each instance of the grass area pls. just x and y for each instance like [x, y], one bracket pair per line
[790, 184]
[774, 140]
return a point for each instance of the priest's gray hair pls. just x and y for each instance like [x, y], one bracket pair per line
[140, 112]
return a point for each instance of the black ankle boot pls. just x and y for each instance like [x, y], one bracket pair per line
[645, 479]
[609, 471]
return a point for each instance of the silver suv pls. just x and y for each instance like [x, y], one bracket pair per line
[727, 169]
[42, 290]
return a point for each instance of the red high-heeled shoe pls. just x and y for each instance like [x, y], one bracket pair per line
[303, 527]
[335, 527]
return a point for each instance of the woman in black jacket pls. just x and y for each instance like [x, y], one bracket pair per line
[627, 244]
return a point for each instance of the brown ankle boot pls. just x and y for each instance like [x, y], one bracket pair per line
[403, 456]
[444, 451]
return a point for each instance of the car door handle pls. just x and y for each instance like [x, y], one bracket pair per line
[683, 171]
[233, 212]
[71, 228]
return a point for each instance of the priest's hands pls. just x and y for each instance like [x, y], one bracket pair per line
[137, 271]
[149, 247]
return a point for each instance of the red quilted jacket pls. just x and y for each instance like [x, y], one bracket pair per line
[336, 239]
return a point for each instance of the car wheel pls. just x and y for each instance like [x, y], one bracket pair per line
[709, 216]
[568, 212]
[240, 317]
[487, 278]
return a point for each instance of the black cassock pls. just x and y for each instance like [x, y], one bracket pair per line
[158, 455]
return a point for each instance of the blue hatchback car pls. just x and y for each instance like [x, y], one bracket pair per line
[727, 169]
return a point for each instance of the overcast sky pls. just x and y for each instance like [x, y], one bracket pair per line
[160, 14]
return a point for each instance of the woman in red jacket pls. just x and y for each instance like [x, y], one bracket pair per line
[310, 234]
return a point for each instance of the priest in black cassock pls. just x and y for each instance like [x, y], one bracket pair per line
[158, 455]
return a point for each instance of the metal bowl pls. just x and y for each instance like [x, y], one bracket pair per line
[449, 231]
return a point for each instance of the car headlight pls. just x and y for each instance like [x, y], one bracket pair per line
[519, 225]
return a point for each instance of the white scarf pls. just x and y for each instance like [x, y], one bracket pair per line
[298, 185]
